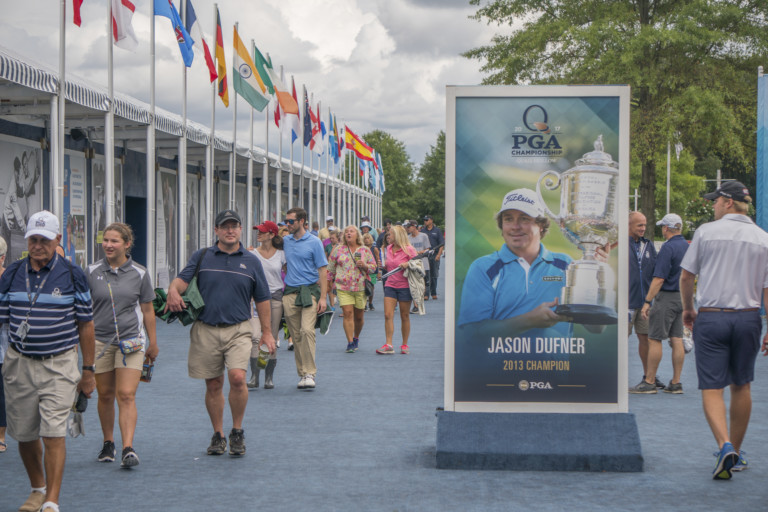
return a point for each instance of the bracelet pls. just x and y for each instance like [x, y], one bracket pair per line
[89, 367]
[649, 301]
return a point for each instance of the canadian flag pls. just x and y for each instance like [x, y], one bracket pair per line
[122, 30]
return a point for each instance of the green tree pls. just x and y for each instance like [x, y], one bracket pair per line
[691, 64]
[399, 201]
[431, 182]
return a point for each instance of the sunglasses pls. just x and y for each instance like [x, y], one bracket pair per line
[290, 221]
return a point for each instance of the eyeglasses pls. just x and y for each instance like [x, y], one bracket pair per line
[290, 221]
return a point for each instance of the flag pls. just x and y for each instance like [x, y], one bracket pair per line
[244, 77]
[277, 108]
[221, 63]
[373, 177]
[382, 188]
[122, 30]
[355, 143]
[287, 102]
[261, 68]
[316, 144]
[293, 119]
[342, 137]
[193, 27]
[76, 12]
[307, 120]
[333, 139]
[166, 9]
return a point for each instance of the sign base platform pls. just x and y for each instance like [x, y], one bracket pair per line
[538, 441]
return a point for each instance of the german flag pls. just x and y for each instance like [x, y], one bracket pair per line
[221, 64]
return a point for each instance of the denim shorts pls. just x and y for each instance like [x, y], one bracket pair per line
[401, 294]
[726, 345]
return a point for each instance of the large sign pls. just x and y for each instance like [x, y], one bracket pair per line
[536, 187]
[20, 193]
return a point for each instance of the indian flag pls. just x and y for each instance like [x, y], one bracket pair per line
[246, 81]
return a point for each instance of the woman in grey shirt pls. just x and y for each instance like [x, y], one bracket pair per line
[122, 295]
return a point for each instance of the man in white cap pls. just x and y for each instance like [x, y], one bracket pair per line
[516, 288]
[663, 308]
[325, 232]
[47, 303]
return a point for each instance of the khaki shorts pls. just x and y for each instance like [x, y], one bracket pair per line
[112, 358]
[211, 349]
[636, 320]
[356, 299]
[39, 394]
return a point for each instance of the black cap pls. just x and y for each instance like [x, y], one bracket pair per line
[226, 215]
[427, 217]
[732, 190]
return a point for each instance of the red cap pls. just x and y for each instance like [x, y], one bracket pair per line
[267, 227]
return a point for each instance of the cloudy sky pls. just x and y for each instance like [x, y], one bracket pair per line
[378, 64]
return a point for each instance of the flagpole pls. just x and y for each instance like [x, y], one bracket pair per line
[109, 128]
[181, 225]
[265, 168]
[233, 159]
[151, 206]
[212, 152]
[248, 217]
[58, 174]
[319, 161]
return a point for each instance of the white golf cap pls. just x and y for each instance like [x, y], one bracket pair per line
[329, 218]
[671, 220]
[365, 224]
[43, 223]
[522, 199]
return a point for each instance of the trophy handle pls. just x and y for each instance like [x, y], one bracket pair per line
[549, 185]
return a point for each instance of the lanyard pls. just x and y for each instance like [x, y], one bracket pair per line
[112, 300]
[24, 326]
[639, 251]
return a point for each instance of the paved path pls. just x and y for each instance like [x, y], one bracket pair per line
[365, 440]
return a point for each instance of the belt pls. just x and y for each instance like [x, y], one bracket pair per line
[726, 310]
[221, 325]
[41, 357]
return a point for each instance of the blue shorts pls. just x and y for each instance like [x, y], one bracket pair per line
[726, 345]
[401, 294]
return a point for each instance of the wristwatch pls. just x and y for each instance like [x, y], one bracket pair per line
[648, 301]
[91, 368]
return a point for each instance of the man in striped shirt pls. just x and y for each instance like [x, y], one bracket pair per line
[47, 304]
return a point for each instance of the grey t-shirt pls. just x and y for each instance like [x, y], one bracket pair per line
[131, 287]
[420, 242]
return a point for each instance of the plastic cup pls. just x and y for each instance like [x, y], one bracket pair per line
[263, 358]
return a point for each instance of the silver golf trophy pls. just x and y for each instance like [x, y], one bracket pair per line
[588, 219]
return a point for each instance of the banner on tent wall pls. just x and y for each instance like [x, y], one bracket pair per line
[193, 217]
[74, 229]
[241, 203]
[20, 193]
[166, 220]
[99, 202]
[539, 316]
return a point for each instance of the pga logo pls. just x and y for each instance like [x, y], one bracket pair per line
[524, 385]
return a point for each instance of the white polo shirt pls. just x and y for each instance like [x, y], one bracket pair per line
[730, 256]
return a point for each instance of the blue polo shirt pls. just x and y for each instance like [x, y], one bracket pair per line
[64, 300]
[434, 234]
[668, 263]
[497, 287]
[303, 256]
[227, 283]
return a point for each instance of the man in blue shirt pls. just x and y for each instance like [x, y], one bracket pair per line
[304, 294]
[47, 304]
[435, 238]
[642, 259]
[228, 278]
[666, 316]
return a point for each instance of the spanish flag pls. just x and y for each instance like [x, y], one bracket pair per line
[356, 144]
[221, 64]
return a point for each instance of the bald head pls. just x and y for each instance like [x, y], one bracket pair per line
[637, 224]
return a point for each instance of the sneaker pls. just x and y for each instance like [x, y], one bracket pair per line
[742, 464]
[371, 308]
[643, 388]
[426, 297]
[33, 503]
[726, 459]
[350, 347]
[414, 309]
[237, 442]
[302, 383]
[309, 382]
[355, 343]
[108, 452]
[130, 458]
[658, 383]
[385, 349]
[434, 297]
[218, 445]
[404, 349]
[677, 389]
[290, 347]
[365, 308]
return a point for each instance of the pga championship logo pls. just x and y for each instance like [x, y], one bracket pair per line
[536, 137]
[524, 385]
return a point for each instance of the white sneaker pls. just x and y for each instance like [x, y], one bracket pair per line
[309, 382]
[277, 343]
[302, 383]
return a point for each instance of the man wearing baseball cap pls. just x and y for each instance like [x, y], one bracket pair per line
[326, 232]
[730, 258]
[220, 339]
[516, 288]
[435, 236]
[665, 317]
[48, 319]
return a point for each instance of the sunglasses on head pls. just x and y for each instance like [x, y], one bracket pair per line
[290, 221]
